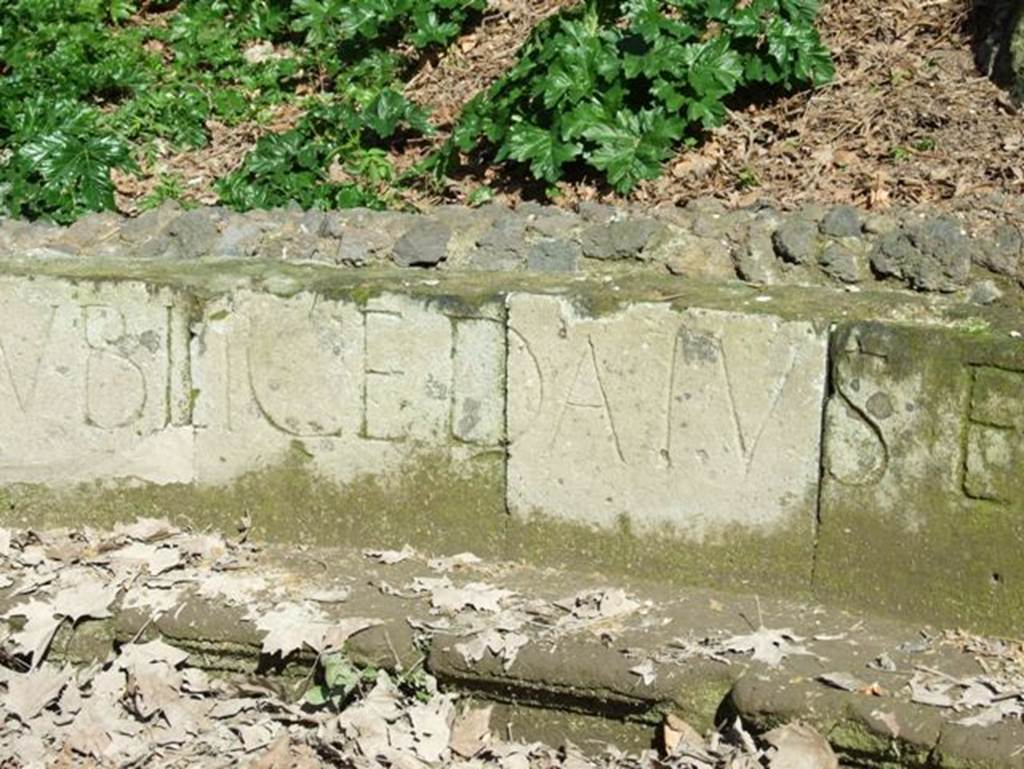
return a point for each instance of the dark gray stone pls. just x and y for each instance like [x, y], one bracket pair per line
[842, 222]
[892, 255]
[357, 247]
[879, 224]
[554, 256]
[503, 246]
[241, 236]
[597, 213]
[291, 245]
[555, 223]
[190, 235]
[90, 234]
[496, 261]
[841, 261]
[754, 254]
[797, 241]
[712, 226]
[151, 224]
[425, 245]
[20, 235]
[934, 255]
[947, 251]
[1003, 251]
[624, 239]
[705, 205]
[313, 223]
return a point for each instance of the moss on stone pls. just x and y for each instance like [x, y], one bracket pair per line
[423, 503]
[698, 703]
[862, 747]
[738, 557]
[916, 540]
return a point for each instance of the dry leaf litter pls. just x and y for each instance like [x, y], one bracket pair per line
[145, 705]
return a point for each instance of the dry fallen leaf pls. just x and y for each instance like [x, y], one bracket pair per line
[28, 694]
[798, 746]
[471, 732]
[843, 681]
[677, 733]
[87, 597]
[768, 646]
[35, 636]
[390, 557]
[451, 562]
[503, 644]
[147, 529]
[646, 672]
[291, 626]
[475, 595]
[600, 604]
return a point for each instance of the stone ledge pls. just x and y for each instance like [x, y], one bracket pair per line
[925, 250]
[589, 671]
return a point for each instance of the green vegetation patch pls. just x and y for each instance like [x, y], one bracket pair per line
[91, 90]
[90, 86]
[619, 85]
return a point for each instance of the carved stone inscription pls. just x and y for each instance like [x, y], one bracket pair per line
[359, 387]
[904, 427]
[924, 452]
[93, 383]
[698, 419]
[994, 461]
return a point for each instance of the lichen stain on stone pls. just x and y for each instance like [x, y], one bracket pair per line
[428, 502]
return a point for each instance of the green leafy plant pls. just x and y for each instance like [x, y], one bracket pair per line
[619, 85]
[88, 87]
[92, 88]
[337, 681]
[329, 160]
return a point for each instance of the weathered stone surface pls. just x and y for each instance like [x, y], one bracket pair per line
[797, 241]
[358, 389]
[934, 255]
[755, 256]
[424, 245]
[669, 428]
[624, 239]
[923, 495]
[844, 261]
[553, 255]
[94, 383]
[190, 235]
[1003, 252]
[703, 240]
[697, 420]
[842, 222]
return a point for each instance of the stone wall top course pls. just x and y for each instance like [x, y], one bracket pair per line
[926, 250]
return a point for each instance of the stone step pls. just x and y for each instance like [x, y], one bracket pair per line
[862, 448]
[581, 656]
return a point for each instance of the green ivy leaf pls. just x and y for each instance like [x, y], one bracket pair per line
[634, 146]
[543, 150]
[385, 112]
[78, 167]
[431, 30]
